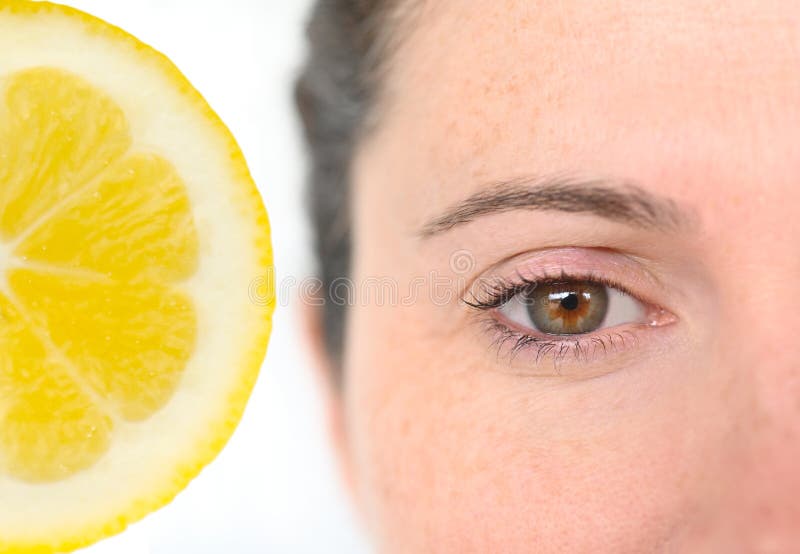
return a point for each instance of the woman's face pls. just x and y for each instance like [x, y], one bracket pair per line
[527, 154]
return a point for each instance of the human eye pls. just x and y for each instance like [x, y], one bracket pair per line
[572, 307]
[560, 308]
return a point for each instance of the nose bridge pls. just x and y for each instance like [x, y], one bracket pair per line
[759, 347]
[768, 328]
[760, 290]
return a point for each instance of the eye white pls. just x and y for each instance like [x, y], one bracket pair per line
[622, 309]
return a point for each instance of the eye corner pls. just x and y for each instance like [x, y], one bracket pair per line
[661, 317]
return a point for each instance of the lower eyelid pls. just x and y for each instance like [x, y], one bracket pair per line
[554, 352]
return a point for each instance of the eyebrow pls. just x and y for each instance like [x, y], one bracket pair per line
[618, 200]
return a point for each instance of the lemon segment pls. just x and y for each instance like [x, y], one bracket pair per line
[133, 222]
[49, 429]
[128, 341]
[56, 133]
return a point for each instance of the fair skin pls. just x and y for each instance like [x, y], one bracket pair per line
[680, 433]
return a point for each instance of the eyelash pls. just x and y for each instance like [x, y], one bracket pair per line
[501, 291]
[558, 349]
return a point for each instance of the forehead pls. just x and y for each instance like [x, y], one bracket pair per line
[486, 89]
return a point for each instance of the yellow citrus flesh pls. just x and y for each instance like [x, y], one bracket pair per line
[131, 235]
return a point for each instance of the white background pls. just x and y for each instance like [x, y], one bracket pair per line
[274, 487]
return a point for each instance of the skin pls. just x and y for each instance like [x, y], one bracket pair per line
[683, 438]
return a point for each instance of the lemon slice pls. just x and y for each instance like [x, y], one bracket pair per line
[131, 235]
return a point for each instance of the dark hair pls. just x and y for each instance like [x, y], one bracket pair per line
[336, 94]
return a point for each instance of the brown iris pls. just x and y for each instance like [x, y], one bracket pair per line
[567, 308]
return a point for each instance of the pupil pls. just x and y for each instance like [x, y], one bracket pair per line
[570, 302]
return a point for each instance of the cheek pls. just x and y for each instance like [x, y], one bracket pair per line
[456, 455]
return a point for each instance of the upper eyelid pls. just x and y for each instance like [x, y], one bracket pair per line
[509, 289]
[563, 257]
[629, 274]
